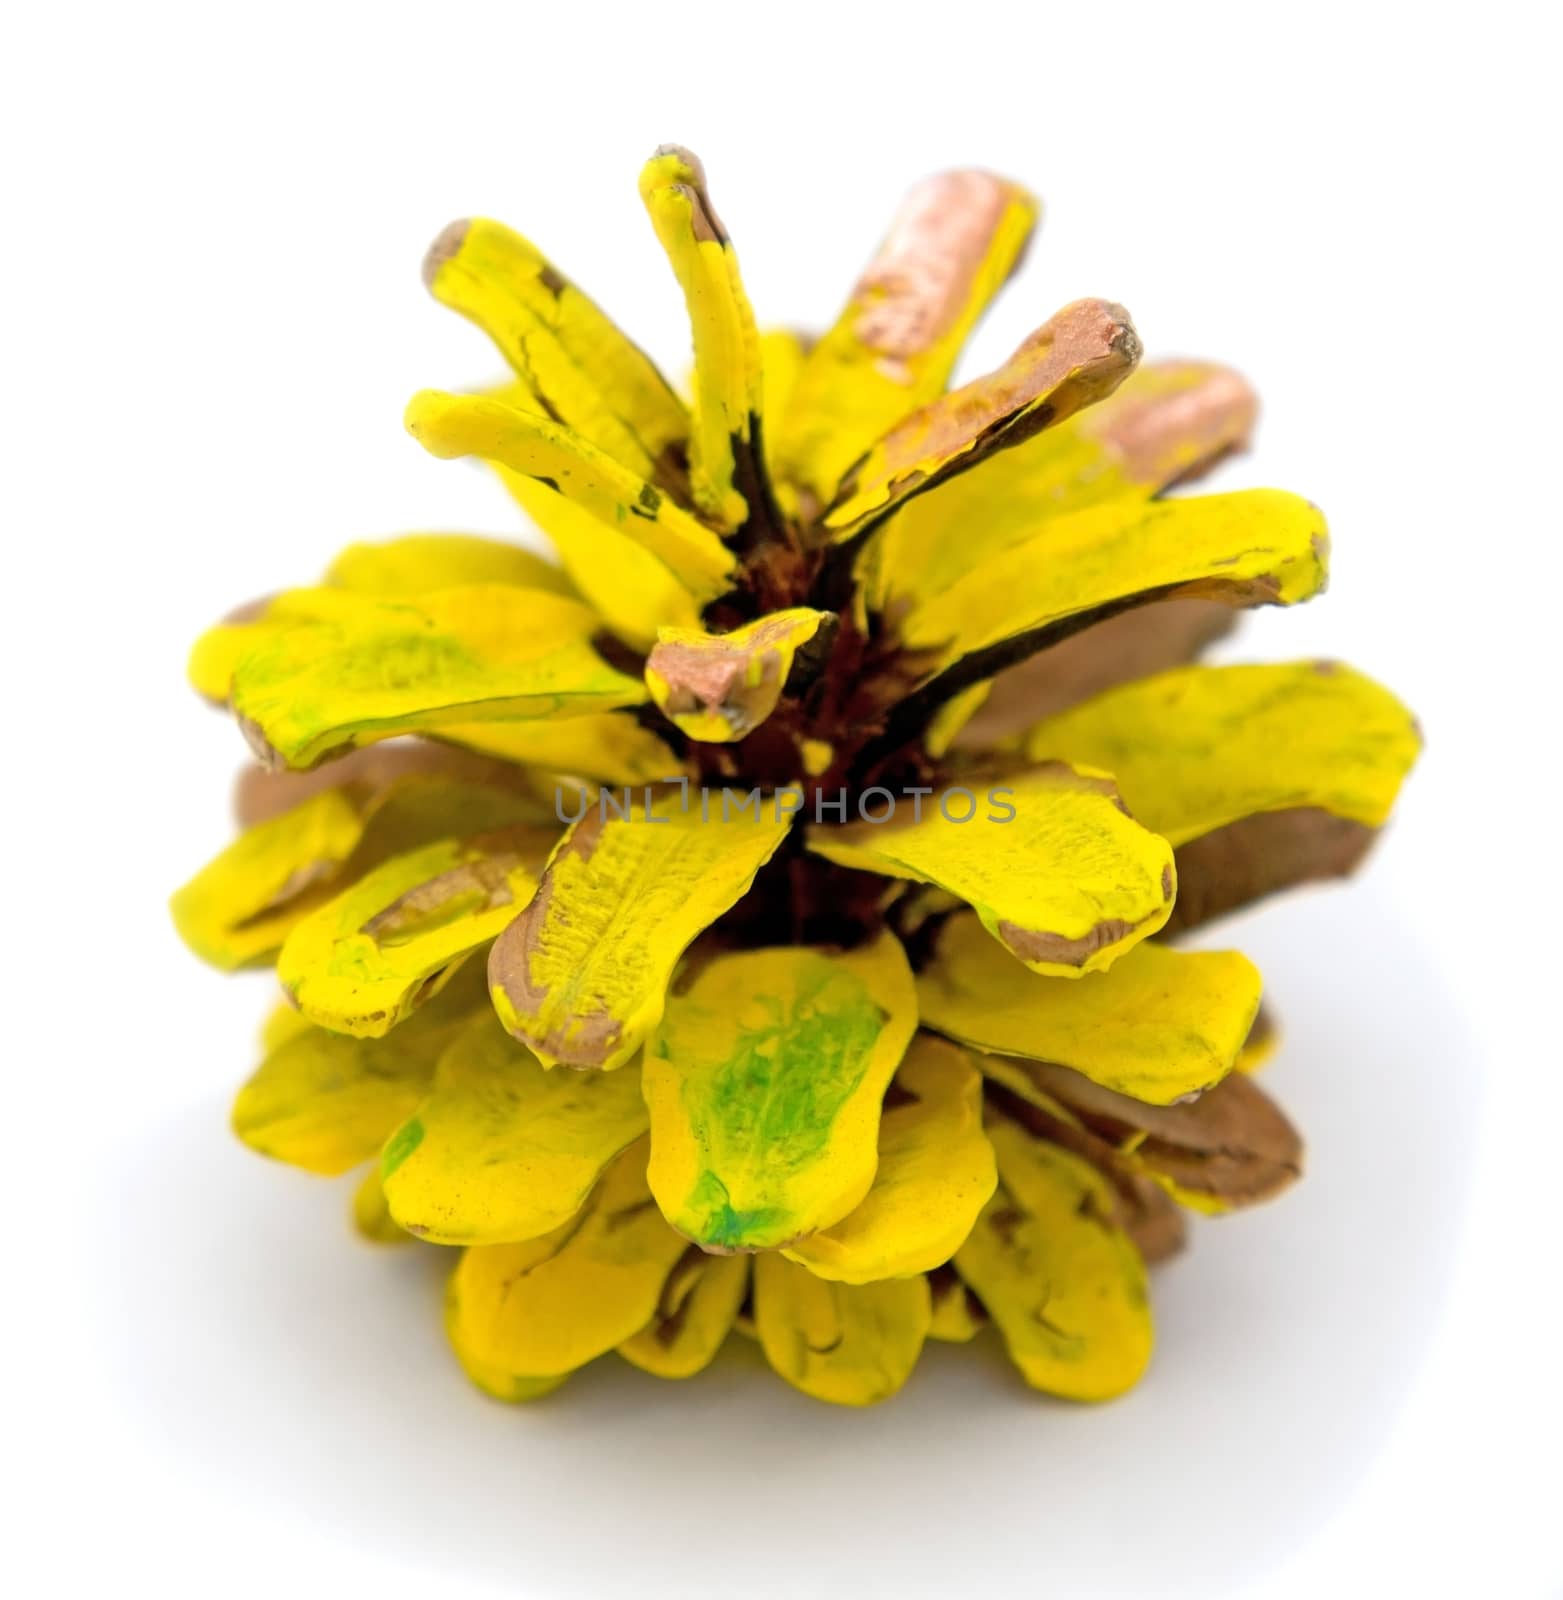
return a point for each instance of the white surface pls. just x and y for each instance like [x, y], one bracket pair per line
[213, 223]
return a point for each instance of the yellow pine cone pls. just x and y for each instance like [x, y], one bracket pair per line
[821, 825]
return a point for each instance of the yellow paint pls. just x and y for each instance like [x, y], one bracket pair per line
[371, 1218]
[282, 1024]
[727, 345]
[326, 1102]
[619, 904]
[782, 354]
[217, 653]
[420, 561]
[1254, 547]
[608, 748]
[549, 1305]
[362, 668]
[957, 1316]
[1014, 1074]
[629, 588]
[526, 442]
[699, 1303]
[1067, 884]
[500, 1150]
[366, 959]
[850, 1344]
[952, 716]
[239, 907]
[491, 1377]
[1063, 1283]
[817, 756]
[1260, 1047]
[209, 669]
[967, 521]
[1162, 1024]
[1200, 747]
[764, 1085]
[935, 1174]
[585, 372]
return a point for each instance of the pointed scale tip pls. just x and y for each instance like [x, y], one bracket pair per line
[445, 248]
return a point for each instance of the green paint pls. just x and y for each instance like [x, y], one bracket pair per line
[783, 1084]
[764, 1084]
[725, 1227]
[326, 674]
[400, 1145]
[386, 650]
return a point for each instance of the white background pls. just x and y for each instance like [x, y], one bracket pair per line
[213, 221]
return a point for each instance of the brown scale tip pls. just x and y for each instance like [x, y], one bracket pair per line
[250, 611]
[912, 293]
[1184, 419]
[445, 248]
[686, 157]
[1089, 334]
[707, 225]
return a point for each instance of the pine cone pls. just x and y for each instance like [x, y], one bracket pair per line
[762, 919]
